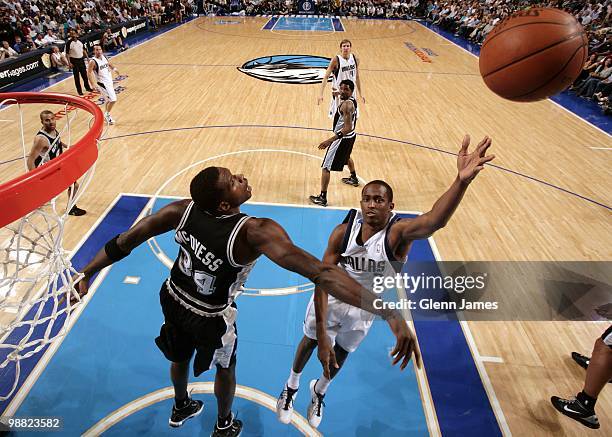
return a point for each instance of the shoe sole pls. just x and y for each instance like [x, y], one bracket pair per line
[352, 184]
[179, 424]
[577, 419]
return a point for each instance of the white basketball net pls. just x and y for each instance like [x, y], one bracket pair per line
[37, 280]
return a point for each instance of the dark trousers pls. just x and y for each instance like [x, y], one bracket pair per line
[78, 67]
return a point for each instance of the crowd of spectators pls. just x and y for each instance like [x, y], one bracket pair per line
[27, 25]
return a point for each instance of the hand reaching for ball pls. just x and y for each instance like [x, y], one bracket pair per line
[470, 164]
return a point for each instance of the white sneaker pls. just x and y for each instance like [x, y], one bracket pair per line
[284, 405]
[108, 118]
[315, 408]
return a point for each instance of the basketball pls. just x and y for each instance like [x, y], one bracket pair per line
[533, 54]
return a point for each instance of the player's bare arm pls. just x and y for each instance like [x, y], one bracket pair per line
[325, 350]
[90, 74]
[37, 149]
[332, 65]
[162, 221]
[469, 164]
[347, 109]
[358, 79]
[266, 237]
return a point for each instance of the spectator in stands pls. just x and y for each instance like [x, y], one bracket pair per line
[110, 42]
[587, 89]
[6, 51]
[58, 60]
[40, 42]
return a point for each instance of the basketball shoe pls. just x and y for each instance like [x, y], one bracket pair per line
[284, 405]
[318, 200]
[574, 409]
[180, 415]
[234, 429]
[315, 408]
[351, 181]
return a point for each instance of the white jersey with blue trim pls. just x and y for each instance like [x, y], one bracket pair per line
[364, 262]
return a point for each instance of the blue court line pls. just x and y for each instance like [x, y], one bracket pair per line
[119, 218]
[422, 146]
[270, 24]
[585, 109]
[337, 23]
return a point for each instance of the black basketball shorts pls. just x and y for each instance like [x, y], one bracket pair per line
[214, 339]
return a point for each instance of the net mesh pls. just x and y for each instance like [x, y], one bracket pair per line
[38, 296]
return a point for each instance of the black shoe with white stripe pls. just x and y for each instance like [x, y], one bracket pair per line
[318, 200]
[574, 409]
[234, 429]
[583, 361]
[180, 415]
[351, 181]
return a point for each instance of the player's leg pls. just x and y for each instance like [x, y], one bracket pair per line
[223, 354]
[75, 210]
[110, 98]
[599, 372]
[355, 326]
[284, 404]
[178, 346]
[352, 180]
[321, 199]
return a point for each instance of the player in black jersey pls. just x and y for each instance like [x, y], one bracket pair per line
[47, 146]
[218, 247]
[340, 145]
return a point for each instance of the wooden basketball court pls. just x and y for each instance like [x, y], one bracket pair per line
[547, 198]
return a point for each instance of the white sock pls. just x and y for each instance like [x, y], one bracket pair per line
[321, 385]
[294, 380]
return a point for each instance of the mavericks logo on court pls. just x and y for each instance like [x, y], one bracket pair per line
[302, 69]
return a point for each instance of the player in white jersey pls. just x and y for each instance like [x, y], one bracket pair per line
[47, 146]
[99, 74]
[369, 243]
[343, 66]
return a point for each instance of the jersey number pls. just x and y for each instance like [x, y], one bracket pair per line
[204, 281]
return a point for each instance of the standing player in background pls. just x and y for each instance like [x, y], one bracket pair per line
[343, 66]
[370, 243]
[47, 146]
[99, 73]
[340, 146]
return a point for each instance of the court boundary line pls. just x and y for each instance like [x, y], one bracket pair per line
[477, 358]
[549, 99]
[49, 353]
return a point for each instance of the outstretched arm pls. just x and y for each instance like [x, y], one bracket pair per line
[268, 238]
[468, 166]
[162, 221]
